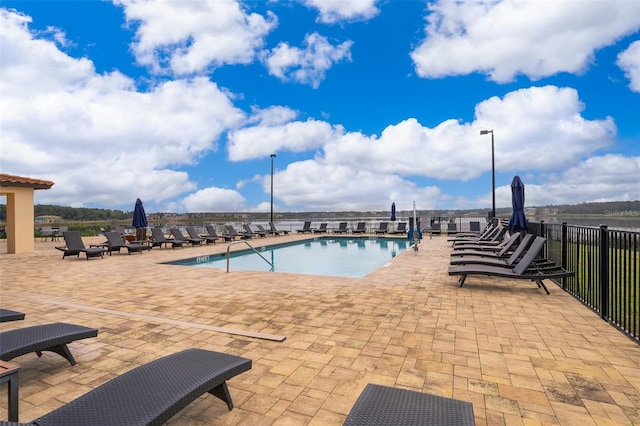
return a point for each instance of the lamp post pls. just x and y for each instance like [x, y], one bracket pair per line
[272, 157]
[493, 174]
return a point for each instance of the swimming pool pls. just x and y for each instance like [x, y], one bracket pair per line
[334, 256]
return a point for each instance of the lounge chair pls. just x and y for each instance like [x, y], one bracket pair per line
[7, 315]
[435, 229]
[498, 259]
[232, 233]
[492, 238]
[361, 228]
[248, 230]
[262, 230]
[487, 233]
[152, 393]
[499, 250]
[382, 406]
[401, 229]
[525, 268]
[177, 235]
[39, 338]
[194, 236]
[342, 228]
[115, 242]
[306, 228]
[211, 235]
[322, 229]
[274, 231]
[74, 246]
[159, 239]
[452, 228]
[382, 228]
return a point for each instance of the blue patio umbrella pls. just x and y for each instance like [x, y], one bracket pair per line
[517, 222]
[393, 212]
[139, 220]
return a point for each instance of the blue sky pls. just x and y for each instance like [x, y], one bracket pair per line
[364, 103]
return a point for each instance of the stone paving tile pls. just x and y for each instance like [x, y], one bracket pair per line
[518, 355]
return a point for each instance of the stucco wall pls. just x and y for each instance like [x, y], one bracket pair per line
[20, 216]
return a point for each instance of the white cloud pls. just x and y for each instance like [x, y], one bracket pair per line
[629, 62]
[214, 200]
[95, 135]
[332, 11]
[510, 37]
[308, 65]
[190, 36]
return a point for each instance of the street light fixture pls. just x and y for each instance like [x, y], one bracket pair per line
[272, 157]
[493, 174]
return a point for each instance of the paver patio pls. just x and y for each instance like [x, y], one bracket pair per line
[520, 356]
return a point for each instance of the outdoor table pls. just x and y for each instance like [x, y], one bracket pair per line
[9, 374]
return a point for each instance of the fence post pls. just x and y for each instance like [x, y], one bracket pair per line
[563, 252]
[604, 272]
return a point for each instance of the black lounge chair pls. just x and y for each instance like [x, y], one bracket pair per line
[383, 406]
[152, 393]
[498, 259]
[382, 228]
[194, 236]
[526, 268]
[361, 228]
[274, 231]
[342, 228]
[452, 228]
[248, 230]
[306, 228]
[74, 246]
[492, 238]
[177, 235]
[488, 233]
[322, 229]
[501, 250]
[401, 229]
[7, 315]
[115, 242]
[261, 230]
[232, 233]
[159, 239]
[206, 238]
[435, 229]
[211, 235]
[39, 338]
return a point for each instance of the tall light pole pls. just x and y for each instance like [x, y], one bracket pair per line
[272, 157]
[493, 174]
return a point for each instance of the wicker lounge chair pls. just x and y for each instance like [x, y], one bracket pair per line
[262, 230]
[401, 229]
[500, 250]
[211, 235]
[248, 230]
[382, 228]
[177, 235]
[382, 406]
[232, 233]
[274, 231]
[435, 229]
[525, 269]
[207, 238]
[306, 228]
[152, 393]
[452, 228]
[361, 228]
[159, 239]
[115, 242]
[322, 229]
[342, 228]
[7, 315]
[74, 246]
[39, 338]
[498, 259]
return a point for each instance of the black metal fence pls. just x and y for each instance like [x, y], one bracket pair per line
[607, 269]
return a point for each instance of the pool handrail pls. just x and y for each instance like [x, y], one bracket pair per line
[250, 246]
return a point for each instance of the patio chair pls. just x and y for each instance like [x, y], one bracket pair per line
[452, 228]
[525, 269]
[248, 230]
[159, 239]
[492, 238]
[401, 229]
[342, 228]
[322, 229]
[7, 315]
[382, 228]
[152, 393]
[212, 234]
[487, 233]
[382, 406]
[361, 228]
[40, 338]
[498, 259]
[274, 231]
[177, 234]
[115, 242]
[232, 233]
[499, 250]
[194, 236]
[435, 229]
[74, 246]
[306, 228]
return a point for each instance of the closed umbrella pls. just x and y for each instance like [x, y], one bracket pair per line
[140, 221]
[518, 221]
[393, 212]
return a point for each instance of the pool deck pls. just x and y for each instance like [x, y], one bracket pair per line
[520, 356]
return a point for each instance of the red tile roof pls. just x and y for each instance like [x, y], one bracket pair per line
[11, 180]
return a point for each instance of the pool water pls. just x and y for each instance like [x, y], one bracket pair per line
[333, 256]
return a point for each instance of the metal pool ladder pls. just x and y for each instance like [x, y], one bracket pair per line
[250, 246]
